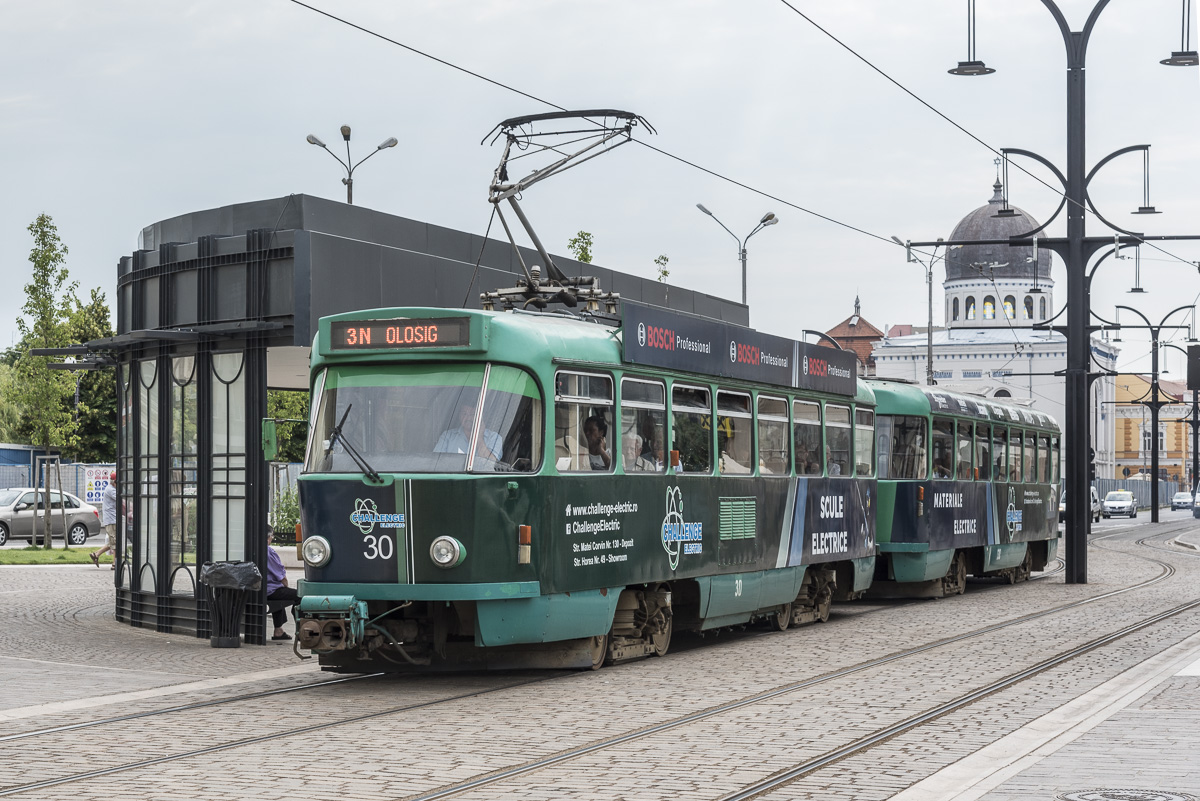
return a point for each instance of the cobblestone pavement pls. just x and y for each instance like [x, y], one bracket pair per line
[1122, 716]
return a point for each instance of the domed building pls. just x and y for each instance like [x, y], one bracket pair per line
[994, 295]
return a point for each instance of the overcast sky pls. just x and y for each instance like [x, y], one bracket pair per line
[115, 115]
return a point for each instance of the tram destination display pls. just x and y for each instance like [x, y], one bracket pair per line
[441, 332]
[662, 338]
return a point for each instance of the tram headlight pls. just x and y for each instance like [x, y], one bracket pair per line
[447, 552]
[316, 551]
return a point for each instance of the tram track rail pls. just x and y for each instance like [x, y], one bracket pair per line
[666, 726]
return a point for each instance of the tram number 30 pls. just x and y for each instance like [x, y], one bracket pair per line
[380, 547]
[737, 588]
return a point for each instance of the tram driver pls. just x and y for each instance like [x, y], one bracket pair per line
[489, 444]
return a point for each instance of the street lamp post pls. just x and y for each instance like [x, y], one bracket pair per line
[768, 219]
[1076, 249]
[346, 165]
[1195, 426]
[1154, 403]
[929, 286]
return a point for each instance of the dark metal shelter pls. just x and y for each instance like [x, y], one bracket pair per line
[218, 305]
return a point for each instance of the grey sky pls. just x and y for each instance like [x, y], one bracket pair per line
[115, 115]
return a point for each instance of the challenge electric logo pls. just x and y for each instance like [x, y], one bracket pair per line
[366, 516]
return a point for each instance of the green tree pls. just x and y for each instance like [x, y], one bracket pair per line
[41, 393]
[10, 413]
[97, 410]
[661, 264]
[289, 405]
[580, 246]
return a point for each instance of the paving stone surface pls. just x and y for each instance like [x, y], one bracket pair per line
[61, 651]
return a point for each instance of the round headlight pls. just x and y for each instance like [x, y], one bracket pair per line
[447, 552]
[316, 551]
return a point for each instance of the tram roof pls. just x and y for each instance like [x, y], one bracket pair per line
[894, 397]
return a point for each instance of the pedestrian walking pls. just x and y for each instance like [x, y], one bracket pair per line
[108, 519]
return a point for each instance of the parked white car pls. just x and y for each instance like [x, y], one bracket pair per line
[1181, 500]
[1095, 505]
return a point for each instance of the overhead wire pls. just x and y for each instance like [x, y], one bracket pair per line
[719, 175]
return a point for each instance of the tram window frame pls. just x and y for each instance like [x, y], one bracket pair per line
[864, 439]
[1016, 445]
[943, 445]
[899, 455]
[773, 431]
[1056, 459]
[1044, 476]
[999, 452]
[644, 417]
[733, 406]
[983, 452]
[804, 422]
[1030, 447]
[681, 412]
[572, 453]
[834, 426]
[964, 447]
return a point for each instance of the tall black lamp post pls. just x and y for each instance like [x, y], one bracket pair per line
[1194, 423]
[1075, 249]
[347, 165]
[1155, 403]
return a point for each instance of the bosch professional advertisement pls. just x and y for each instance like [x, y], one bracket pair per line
[674, 340]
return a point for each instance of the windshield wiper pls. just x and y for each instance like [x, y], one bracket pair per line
[359, 461]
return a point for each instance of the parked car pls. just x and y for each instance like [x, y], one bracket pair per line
[1120, 502]
[1181, 500]
[1095, 506]
[19, 507]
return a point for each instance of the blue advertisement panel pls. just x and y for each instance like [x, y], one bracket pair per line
[833, 520]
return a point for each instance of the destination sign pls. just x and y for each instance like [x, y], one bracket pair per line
[661, 338]
[443, 332]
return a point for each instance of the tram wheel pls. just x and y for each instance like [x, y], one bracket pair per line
[599, 650]
[662, 640]
[1026, 567]
[955, 581]
[782, 618]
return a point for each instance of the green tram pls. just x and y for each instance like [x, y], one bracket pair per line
[497, 490]
[966, 486]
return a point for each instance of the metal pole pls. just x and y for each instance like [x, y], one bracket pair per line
[1154, 426]
[1195, 443]
[350, 190]
[742, 248]
[929, 328]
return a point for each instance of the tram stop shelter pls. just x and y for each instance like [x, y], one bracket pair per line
[217, 306]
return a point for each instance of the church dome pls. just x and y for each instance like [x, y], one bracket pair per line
[983, 224]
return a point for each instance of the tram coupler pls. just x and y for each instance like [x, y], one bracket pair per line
[331, 623]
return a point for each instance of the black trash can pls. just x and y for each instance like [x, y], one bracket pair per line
[226, 585]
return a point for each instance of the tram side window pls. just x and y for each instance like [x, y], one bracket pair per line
[1014, 454]
[900, 446]
[583, 416]
[1030, 457]
[864, 442]
[643, 425]
[965, 442]
[838, 436]
[774, 457]
[983, 452]
[1044, 473]
[1055, 475]
[806, 436]
[691, 423]
[943, 448]
[999, 453]
[735, 434]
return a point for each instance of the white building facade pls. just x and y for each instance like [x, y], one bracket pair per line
[994, 295]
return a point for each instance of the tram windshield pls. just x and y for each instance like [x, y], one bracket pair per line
[428, 419]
